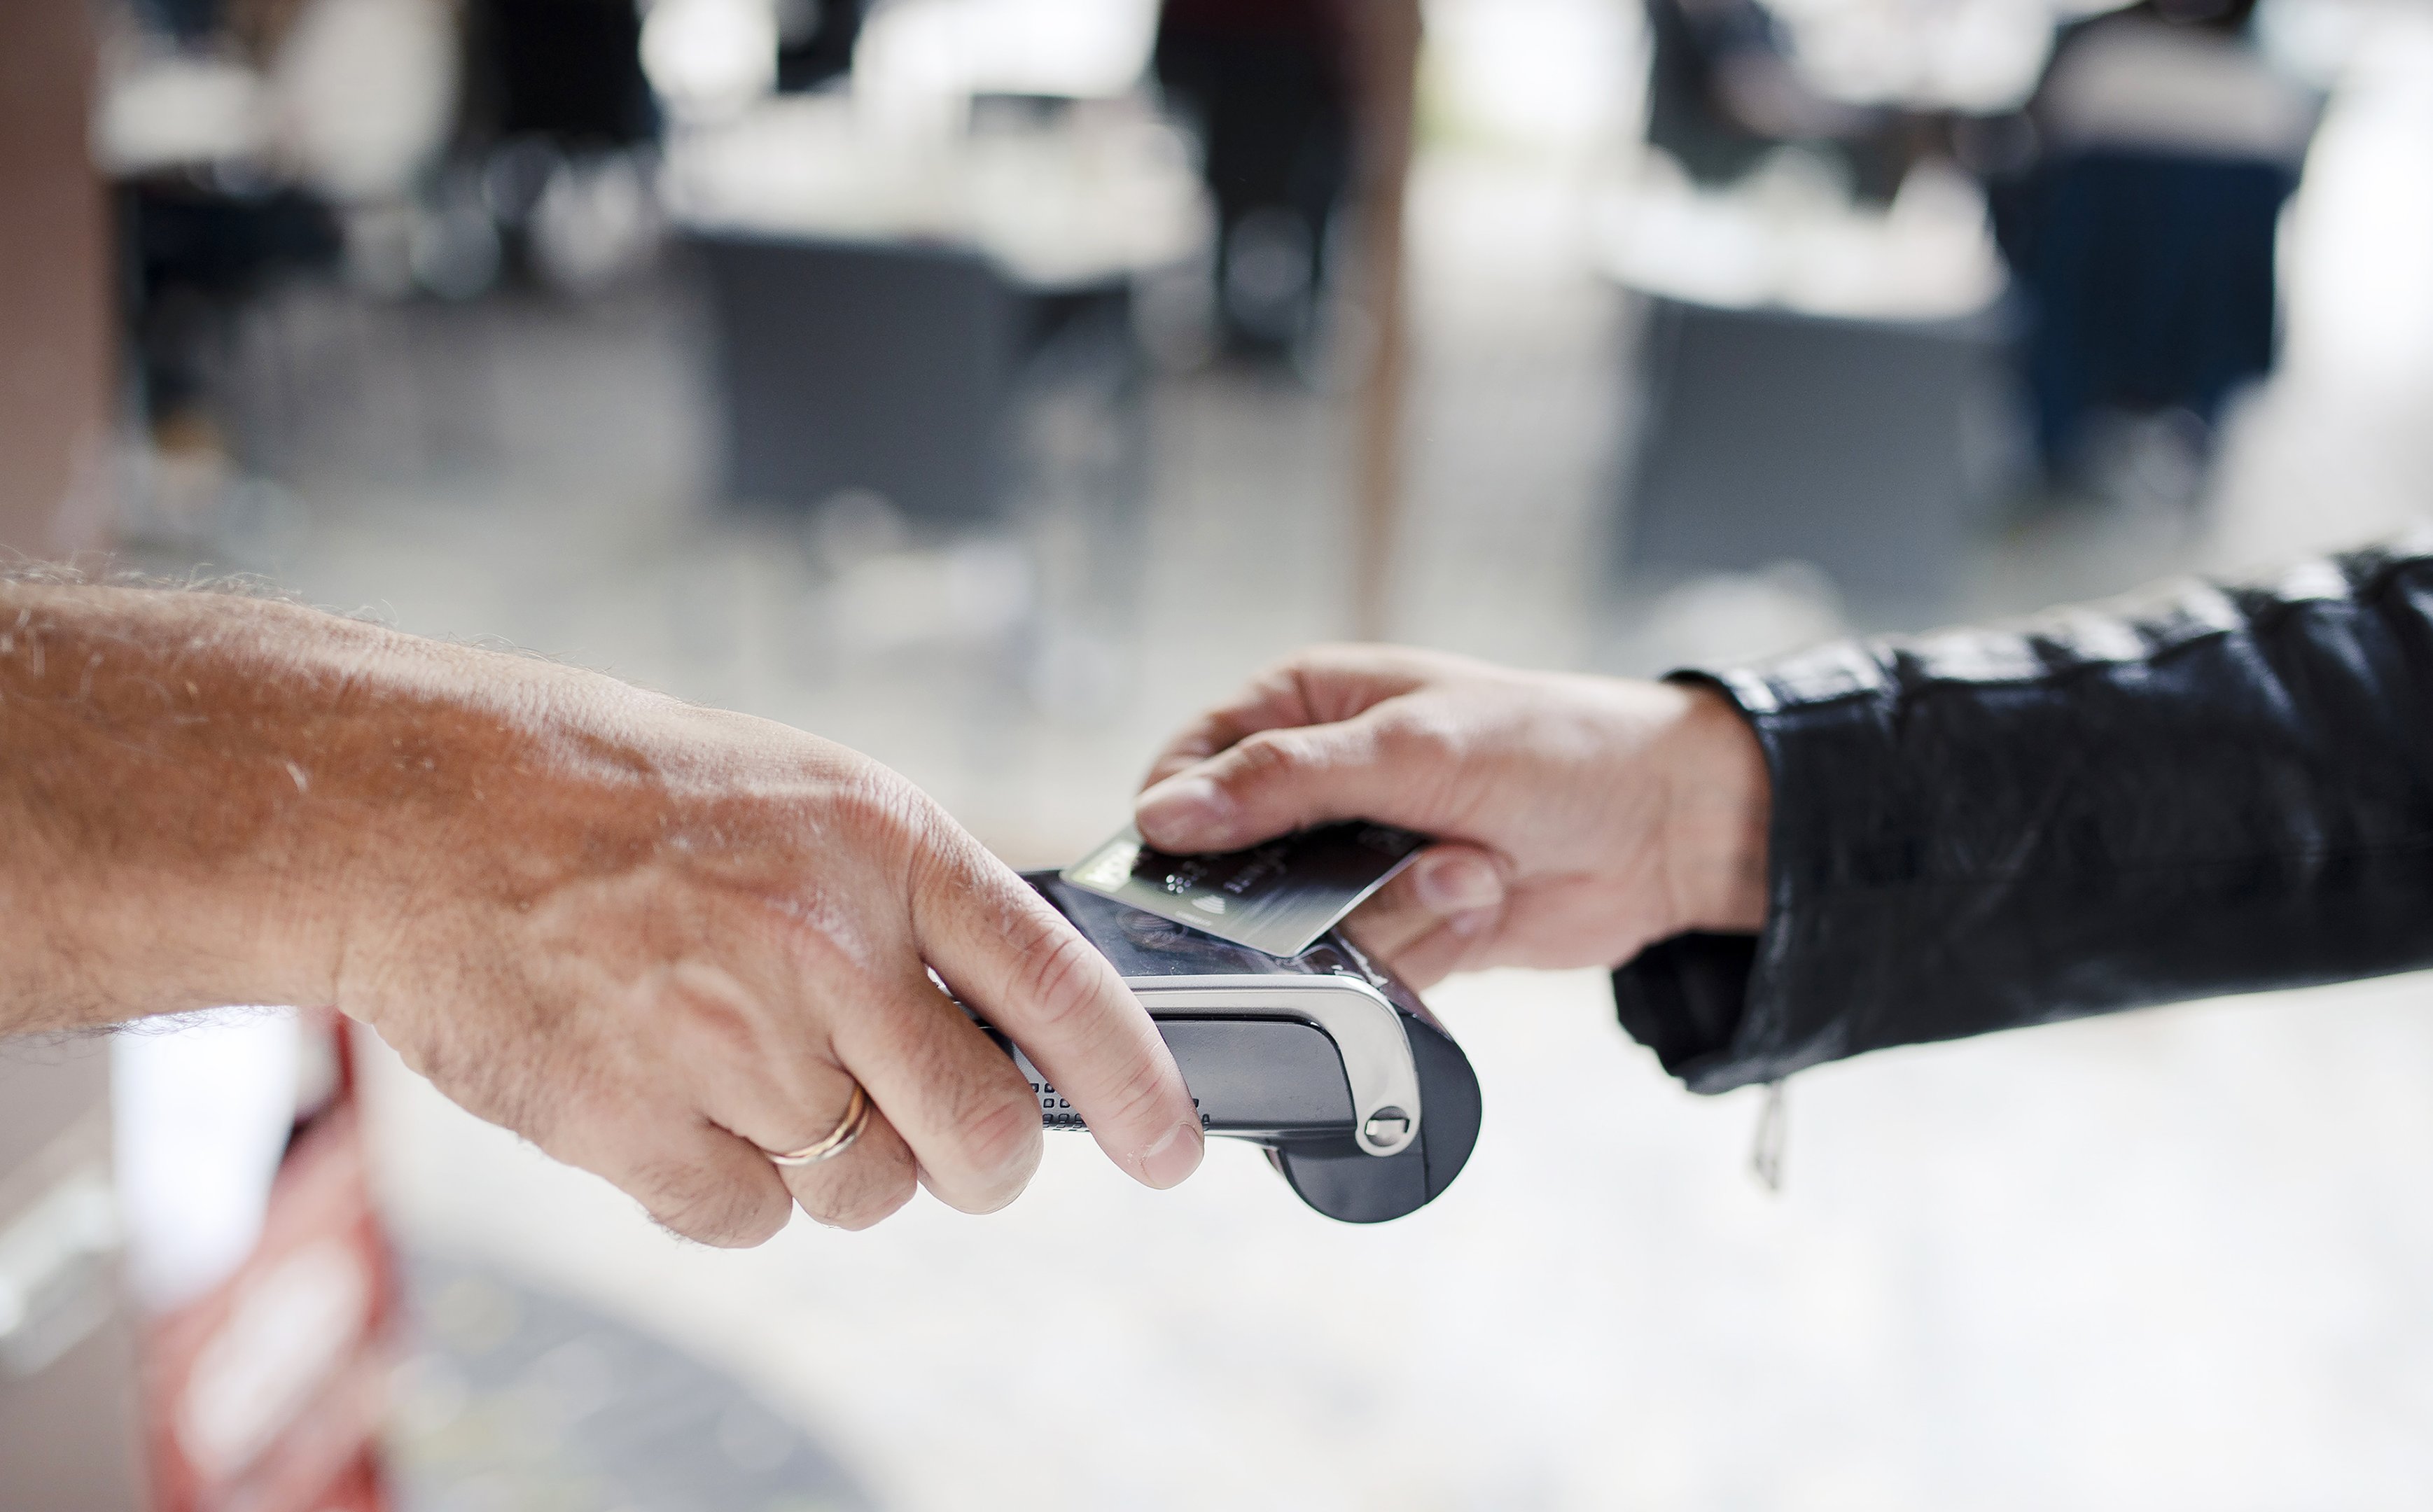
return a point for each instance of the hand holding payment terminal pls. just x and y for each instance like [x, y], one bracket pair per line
[1359, 1097]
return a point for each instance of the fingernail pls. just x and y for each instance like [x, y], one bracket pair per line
[1183, 810]
[1456, 885]
[1173, 1157]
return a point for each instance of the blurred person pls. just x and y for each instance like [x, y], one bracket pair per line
[237, 159]
[1724, 95]
[193, 256]
[1268, 87]
[565, 72]
[815, 42]
[2215, 789]
[687, 950]
[2161, 145]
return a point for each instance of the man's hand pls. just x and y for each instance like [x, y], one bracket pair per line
[1579, 818]
[655, 940]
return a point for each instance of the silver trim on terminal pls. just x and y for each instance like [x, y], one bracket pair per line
[1366, 1030]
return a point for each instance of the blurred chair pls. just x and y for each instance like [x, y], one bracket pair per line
[924, 320]
[1822, 382]
[1857, 445]
[898, 368]
[862, 366]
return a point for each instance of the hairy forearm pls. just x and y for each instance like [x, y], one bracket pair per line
[658, 941]
[157, 752]
[199, 789]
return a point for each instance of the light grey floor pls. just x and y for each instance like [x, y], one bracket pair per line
[510, 1399]
[2180, 1259]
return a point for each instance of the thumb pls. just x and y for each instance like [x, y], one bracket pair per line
[1452, 895]
[1280, 780]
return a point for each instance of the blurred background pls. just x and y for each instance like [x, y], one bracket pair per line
[990, 384]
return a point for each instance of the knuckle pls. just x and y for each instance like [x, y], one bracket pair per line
[986, 1115]
[1063, 978]
[1420, 737]
[710, 1007]
[744, 1036]
[1135, 1100]
[880, 805]
[948, 867]
[1272, 757]
[1064, 974]
[867, 1192]
[1326, 656]
[1280, 677]
[1001, 1136]
[726, 1214]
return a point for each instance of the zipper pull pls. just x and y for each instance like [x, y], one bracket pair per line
[1773, 1135]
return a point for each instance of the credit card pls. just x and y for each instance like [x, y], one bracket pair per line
[1278, 897]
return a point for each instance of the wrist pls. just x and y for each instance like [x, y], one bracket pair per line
[1719, 803]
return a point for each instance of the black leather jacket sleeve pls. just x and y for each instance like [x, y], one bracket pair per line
[2218, 790]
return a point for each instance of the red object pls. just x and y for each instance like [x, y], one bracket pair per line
[266, 1394]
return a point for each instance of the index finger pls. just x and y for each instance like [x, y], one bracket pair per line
[1271, 702]
[1019, 963]
[1321, 686]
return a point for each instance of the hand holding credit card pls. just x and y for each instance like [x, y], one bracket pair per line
[1276, 897]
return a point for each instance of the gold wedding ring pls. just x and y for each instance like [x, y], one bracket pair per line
[838, 1139]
